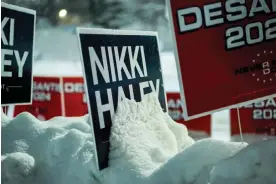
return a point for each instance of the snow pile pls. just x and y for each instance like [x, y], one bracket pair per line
[142, 139]
[17, 168]
[60, 150]
[147, 147]
[57, 151]
[253, 165]
[194, 164]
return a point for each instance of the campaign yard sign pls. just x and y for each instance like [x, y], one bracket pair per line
[117, 64]
[17, 45]
[225, 52]
[47, 99]
[257, 118]
[175, 109]
[75, 101]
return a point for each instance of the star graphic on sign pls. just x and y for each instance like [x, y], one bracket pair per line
[267, 59]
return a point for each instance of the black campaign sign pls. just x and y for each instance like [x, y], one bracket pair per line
[17, 42]
[117, 64]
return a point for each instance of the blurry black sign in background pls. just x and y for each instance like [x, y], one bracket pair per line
[17, 42]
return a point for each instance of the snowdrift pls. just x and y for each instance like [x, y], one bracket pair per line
[147, 146]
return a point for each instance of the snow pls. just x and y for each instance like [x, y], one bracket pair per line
[16, 167]
[252, 138]
[60, 148]
[194, 163]
[253, 165]
[147, 147]
[143, 138]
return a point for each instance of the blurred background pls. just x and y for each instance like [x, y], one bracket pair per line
[57, 16]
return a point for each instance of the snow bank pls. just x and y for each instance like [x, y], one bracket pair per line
[57, 151]
[61, 149]
[17, 168]
[194, 164]
[142, 139]
[147, 147]
[253, 165]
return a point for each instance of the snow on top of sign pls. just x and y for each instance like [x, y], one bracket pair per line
[18, 8]
[114, 31]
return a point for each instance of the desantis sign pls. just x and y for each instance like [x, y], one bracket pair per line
[17, 43]
[225, 52]
[175, 109]
[47, 99]
[117, 64]
[75, 102]
[256, 118]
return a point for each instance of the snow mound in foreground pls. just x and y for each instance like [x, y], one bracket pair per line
[17, 168]
[194, 164]
[143, 137]
[57, 151]
[253, 165]
[147, 147]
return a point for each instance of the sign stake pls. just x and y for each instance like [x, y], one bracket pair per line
[240, 127]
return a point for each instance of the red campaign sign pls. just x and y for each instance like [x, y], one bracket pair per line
[256, 118]
[175, 110]
[46, 99]
[74, 96]
[225, 52]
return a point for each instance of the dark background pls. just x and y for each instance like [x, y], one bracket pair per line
[154, 72]
[23, 41]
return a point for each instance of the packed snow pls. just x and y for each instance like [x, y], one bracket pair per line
[253, 165]
[147, 146]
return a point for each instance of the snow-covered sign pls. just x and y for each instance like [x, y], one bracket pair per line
[17, 45]
[225, 52]
[117, 64]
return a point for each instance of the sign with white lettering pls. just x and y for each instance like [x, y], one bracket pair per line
[225, 51]
[17, 43]
[117, 64]
[74, 96]
[257, 118]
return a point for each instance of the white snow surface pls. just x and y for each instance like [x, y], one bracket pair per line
[147, 146]
[253, 165]
[252, 138]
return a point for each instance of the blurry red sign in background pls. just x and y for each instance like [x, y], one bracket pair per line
[74, 96]
[46, 99]
[175, 105]
[257, 118]
[225, 51]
